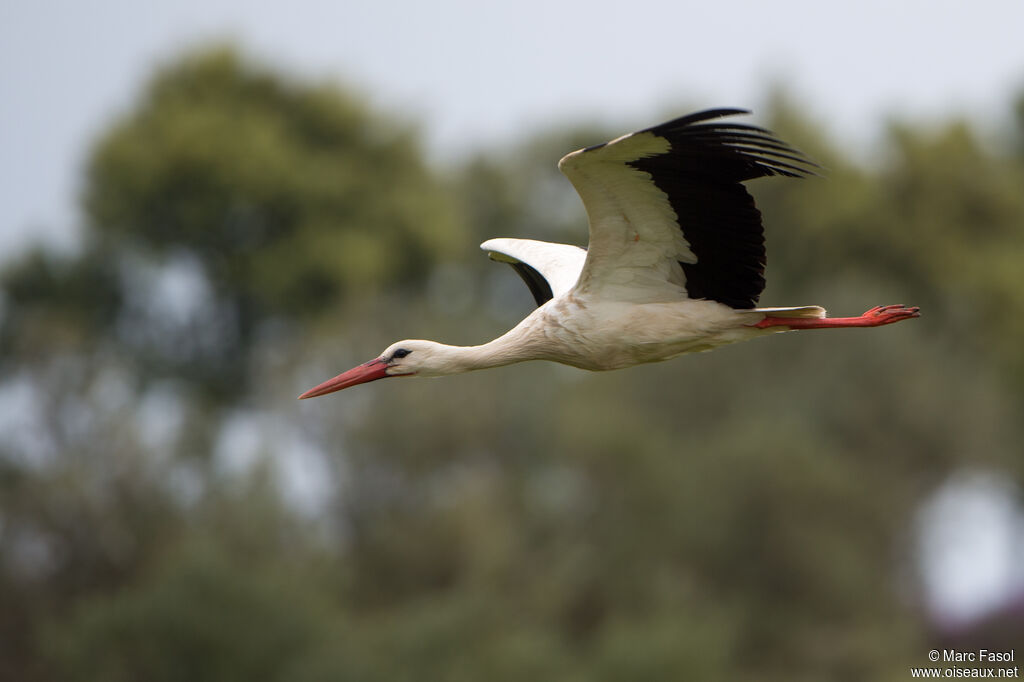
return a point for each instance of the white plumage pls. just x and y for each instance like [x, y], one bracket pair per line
[558, 264]
[675, 262]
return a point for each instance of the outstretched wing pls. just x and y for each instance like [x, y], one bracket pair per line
[548, 269]
[668, 215]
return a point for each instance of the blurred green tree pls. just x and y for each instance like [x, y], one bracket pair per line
[272, 199]
[230, 209]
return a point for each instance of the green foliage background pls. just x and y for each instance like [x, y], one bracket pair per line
[746, 514]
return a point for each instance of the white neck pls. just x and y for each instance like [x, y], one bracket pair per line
[516, 345]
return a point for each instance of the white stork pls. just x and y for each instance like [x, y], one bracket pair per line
[675, 262]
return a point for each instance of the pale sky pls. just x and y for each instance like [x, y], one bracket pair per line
[477, 73]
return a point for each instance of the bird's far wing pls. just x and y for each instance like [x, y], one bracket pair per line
[668, 215]
[548, 269]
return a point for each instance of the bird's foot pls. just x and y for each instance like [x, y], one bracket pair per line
[876, 317]
[887, 314]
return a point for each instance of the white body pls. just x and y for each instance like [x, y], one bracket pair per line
[597, 334]
[594, 332]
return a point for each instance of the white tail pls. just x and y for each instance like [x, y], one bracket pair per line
[805, 312]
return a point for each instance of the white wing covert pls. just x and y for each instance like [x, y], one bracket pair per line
[548, 269]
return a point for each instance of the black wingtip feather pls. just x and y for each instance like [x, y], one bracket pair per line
[696, 117]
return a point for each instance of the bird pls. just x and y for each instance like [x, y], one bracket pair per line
[675, 262]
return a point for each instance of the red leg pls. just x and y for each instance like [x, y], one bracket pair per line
[876, 317]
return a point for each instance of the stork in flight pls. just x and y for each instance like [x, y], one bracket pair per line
[675, 262]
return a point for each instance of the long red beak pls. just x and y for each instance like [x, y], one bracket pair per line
[369, 371]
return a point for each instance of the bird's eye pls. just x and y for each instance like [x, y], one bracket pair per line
[400, 353]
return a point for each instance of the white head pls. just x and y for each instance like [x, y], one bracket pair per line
[412, 357]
